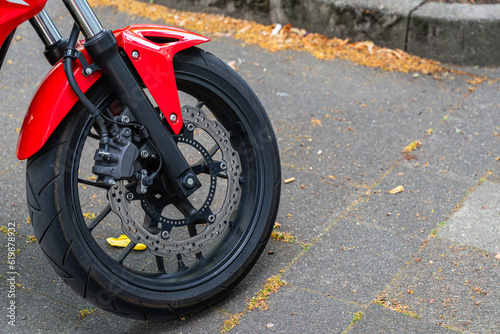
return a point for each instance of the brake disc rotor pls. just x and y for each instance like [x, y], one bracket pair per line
[132, 225]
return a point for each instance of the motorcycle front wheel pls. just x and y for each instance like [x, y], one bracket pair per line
[213, 239]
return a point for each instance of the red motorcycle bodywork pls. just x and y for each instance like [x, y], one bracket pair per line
[15, 12]
[156, 46]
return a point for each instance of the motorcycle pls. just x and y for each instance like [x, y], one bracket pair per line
[138, 132]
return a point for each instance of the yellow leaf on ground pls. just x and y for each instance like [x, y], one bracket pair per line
[413, 146]
[289, 180]
[497, 256]
[315, 121]
[123, 241]
[396, 190]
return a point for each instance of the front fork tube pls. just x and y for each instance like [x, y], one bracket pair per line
[103, 49]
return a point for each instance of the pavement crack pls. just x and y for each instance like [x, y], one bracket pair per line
[11, 168]
[328, 295]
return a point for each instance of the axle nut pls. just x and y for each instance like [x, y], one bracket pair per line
[189, 181]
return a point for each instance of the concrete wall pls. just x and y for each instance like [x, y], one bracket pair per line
[454, 33]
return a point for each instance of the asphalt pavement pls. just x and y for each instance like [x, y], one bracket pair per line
[363, 260]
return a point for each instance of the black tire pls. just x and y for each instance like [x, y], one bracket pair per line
[82, 258]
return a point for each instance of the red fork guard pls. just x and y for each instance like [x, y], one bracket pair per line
[151, 49]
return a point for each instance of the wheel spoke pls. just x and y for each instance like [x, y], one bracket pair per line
[159, 204]
[100, 217]
[211, 151]
[201, 168]
[161, 264]
[185, 207]
[127, 251]
[180, 263]
[92, 184]
[192, 230]
[192, 233]
[150, 224]
[94, 136]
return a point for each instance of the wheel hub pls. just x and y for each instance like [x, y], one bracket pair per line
[216, 223]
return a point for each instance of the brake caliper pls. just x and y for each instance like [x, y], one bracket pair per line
[116, 159]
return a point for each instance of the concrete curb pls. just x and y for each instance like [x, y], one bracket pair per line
[452, 33]
[456, 33]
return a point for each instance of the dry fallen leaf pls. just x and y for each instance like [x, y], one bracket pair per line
[413, 146]
[396, 190]
[286, 37]
[497, 256]
[289, 180]
[123, 241]
[244, 29]
[315, 121]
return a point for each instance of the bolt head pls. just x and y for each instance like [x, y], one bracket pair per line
[135, 54]
[211, 218]
[144, 154]
[173, 118]
[190, 127]
[189, 181]
[165, 234]
[88, 71]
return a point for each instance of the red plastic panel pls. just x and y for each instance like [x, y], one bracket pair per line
[55, 98]
[154, 63]
[15, 12]
[51, 103]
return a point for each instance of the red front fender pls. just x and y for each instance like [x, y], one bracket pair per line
[155, 45]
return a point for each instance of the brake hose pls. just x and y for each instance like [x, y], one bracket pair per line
[70, 55]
